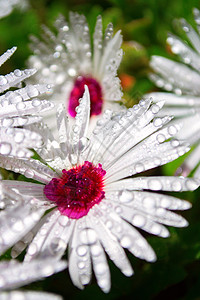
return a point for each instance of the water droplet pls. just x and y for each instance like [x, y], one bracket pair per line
[118, 209]
[3, 80]
[57, 246]
[176, 186]
[160, 138]
[101, 268]
[81, 250]
[155, 109]
[18, 226]
[64, 221]
[5, 148]
[47, 270]
[149, 202]
[21, 105]
[81, 265]
[154, 184]
[71, 72]
[88, 236]
[85, 279]
[172, 130]
[155, 229]
[165, 202]
[17, 72]
[36, 102]
[126, 241]
[157, 122]
[32, 250]
[138, 221]
[95, 250]
[109, 224]
[7, 122]
[125, 196]
[19, 137]
[139, 168]
[29, 174]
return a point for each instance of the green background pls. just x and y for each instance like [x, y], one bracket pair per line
[176, 274]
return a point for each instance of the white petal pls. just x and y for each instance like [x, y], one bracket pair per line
[79, 255]
[15, 141]
[156, 183]
[108, 240]
[15, 274]
[129, 237]
[80, 127]
[28, 295]
[4, 57]
[15, 223]
[97, 44]
[29, 189]
[30, 168]
[52, 237]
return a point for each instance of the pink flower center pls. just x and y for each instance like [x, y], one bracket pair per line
[96, 98]
[78, 190]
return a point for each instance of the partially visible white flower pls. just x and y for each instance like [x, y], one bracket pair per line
[183, 79]
[69, 61]
[94, 203]
[19, 107]
[14, 274]
[7, 6]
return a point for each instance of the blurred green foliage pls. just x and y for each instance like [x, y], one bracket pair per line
[144, 25]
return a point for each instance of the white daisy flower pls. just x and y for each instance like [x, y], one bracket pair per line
[7, 6]
[182, 82]
[14, 274]
[94, 205]
[69, 61]
[19, 107]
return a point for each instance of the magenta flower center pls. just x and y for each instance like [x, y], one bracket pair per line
[78, 190]
[96, 98]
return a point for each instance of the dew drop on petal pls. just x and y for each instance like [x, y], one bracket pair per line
[29, 174]
[57, 246]
[126, 241]
[154, 184]
[21, 106]
[138, 221]
[125, 196]
[95, 250]
[81, 250]
[88, 236]
[32, 250]
[3, 80]
[101, 268]
[36, 102]
[176, 186]
[5, 148]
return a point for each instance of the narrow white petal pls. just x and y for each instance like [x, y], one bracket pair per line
[80, 127]
[15, 141]
[29, 189]
[79, 255]
[97, 44]
[13, 78]
[128, 236]
[16, 222]
[4, 57]
[14, 274]
[28, 295]
[52, 237]
[108, 240]
[155, 183]
[30, 168]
